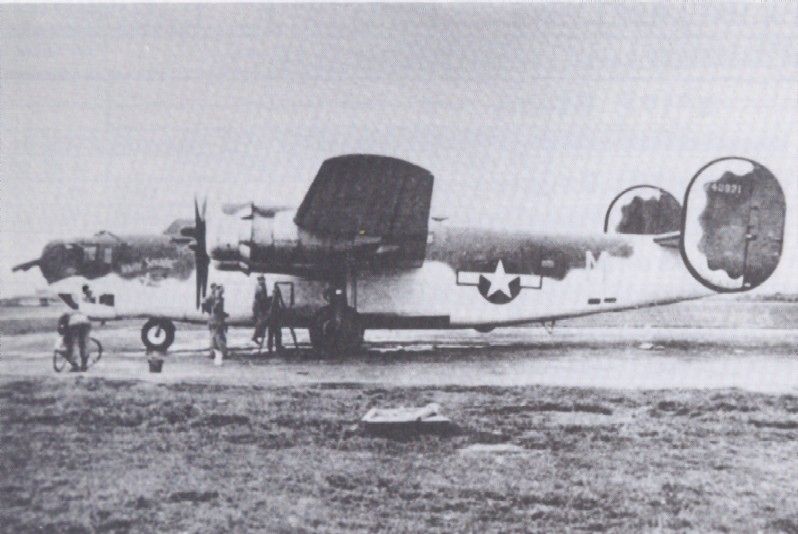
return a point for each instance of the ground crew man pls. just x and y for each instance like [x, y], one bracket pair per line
[74, 327]
[207, 303]
[217, 324]
[275, 321]
[207, 307]
[260, 310]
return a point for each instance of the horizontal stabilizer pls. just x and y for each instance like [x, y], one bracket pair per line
[669, 240]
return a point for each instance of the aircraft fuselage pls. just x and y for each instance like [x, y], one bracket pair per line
[471, 277]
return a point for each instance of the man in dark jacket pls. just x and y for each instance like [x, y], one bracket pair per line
[275, 321]
[207, 303]
[260, 310]
[217, 324]
[207, 307]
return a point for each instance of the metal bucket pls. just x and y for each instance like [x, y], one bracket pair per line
[156, 364]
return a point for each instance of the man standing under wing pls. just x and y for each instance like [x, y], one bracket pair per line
[260, 310]
[275, 320]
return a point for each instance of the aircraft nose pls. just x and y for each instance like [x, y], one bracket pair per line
[59, 261]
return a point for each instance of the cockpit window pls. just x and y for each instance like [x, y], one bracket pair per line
[90, 252]
[108, 255]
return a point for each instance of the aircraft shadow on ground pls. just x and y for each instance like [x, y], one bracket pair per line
[392, 352]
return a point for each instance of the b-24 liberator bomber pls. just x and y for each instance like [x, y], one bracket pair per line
[361, 252]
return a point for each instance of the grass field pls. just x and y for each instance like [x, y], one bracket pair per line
[91, 455]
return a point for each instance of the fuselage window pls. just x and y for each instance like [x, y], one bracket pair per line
[90, 253]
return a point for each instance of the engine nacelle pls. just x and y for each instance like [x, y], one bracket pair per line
[227, 232]
[733, 224]
[250, 238]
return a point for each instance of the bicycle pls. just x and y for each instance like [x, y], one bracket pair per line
[93, 347]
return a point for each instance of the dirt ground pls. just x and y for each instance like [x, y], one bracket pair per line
[90, 454]
[669, 429]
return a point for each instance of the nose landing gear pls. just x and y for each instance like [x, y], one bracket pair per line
[158, 334]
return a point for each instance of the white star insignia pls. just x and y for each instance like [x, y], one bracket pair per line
[500, 281]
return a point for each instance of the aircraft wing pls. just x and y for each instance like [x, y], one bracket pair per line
[370, 200]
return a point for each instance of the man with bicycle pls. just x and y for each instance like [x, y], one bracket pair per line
[75, 327]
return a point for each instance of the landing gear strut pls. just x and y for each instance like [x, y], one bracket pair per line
[336, 328]
[158, 334]
[334, 333]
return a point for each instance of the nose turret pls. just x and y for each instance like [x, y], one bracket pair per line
[59, 260]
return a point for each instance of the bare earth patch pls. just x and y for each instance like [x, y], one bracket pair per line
[113, 456]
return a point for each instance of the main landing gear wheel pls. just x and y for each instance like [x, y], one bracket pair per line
[335, 334]
[158, 334]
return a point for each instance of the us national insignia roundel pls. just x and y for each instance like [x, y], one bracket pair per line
[499, 286]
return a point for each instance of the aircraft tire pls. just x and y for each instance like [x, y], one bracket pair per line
[151, 337]
[484, 329]
[331, 336]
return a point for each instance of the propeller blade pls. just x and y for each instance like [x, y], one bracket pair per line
[202, 281]
[200, 249]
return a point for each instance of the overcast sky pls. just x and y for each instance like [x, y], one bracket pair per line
[529, 116]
